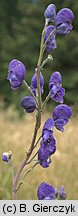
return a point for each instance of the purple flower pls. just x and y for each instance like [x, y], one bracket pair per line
[61, 193]
[64, 19]
[55, 79]
[28, 104]
[34, 83]
[51, 43]
[46, 192]
[6, 156]
[45, 151]
[61, 115]
[55, 86]
[16, 73]
[47, 131]
[50, 12]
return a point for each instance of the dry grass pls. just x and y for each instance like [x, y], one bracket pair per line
[16, 135]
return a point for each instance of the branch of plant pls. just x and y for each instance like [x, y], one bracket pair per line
[30, 91]
[23, 164]
[44, 46]
[49, 58]
[46, 100]
[12, 170]
[27, 172]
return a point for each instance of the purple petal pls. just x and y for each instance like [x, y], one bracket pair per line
[57, 93]
[34, 80]
[48, 30]
[64, 28]
[28, 104]
[45, 190]
[50, 12]
[49, 124]
[16, 73]
[65, 15]
[59, 124]
[55, 79]
[62, 112]
[50, 47]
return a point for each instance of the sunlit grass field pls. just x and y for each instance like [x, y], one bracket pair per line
[16, 135]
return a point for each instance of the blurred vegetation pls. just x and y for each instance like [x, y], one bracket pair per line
[21, 24]
[15, 136]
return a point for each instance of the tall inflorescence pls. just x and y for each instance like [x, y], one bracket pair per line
[55, 24]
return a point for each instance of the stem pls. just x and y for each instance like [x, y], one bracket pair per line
[54, 30]
[46, 100]
[32, 157]
[49, 58]
[25, 160]
[12, 170]
[38, 74]
[30, 91]
[29, 170]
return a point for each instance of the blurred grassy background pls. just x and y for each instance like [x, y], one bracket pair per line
[15, 136]
[21, 24]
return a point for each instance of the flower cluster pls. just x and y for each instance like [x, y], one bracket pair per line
[61, 24]
[61, 115]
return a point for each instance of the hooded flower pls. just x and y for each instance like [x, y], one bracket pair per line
[64, 19]
[55, 86]
[16, 73]
[46, 192]
[51, 43]
[61, 115]
[50, 12]
[45, 151]
[28, 104]
[34, 83]
[47, 131]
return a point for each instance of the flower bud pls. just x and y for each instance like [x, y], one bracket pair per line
[6, 156]
[28, 104]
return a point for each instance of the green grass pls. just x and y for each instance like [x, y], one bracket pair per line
[16, 134]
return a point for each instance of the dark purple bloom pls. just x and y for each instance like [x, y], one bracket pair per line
[16, 73]
[55, 79]
[45, 151]
[49, 124]
[6, 156]
[34, 83]
[64, 19]
[50, 12]
[51, 43]
[61, 193]
[57, 93]
[28, 104]
[61, 115]
[46, 192]
[47, 131]
[55, 86]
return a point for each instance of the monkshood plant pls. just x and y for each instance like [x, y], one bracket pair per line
[55, 24]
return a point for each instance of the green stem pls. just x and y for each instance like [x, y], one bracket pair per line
[46, 100]
[29, 170]
[30, 91]
[54, 30]
[49, 58]
[38, 75]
